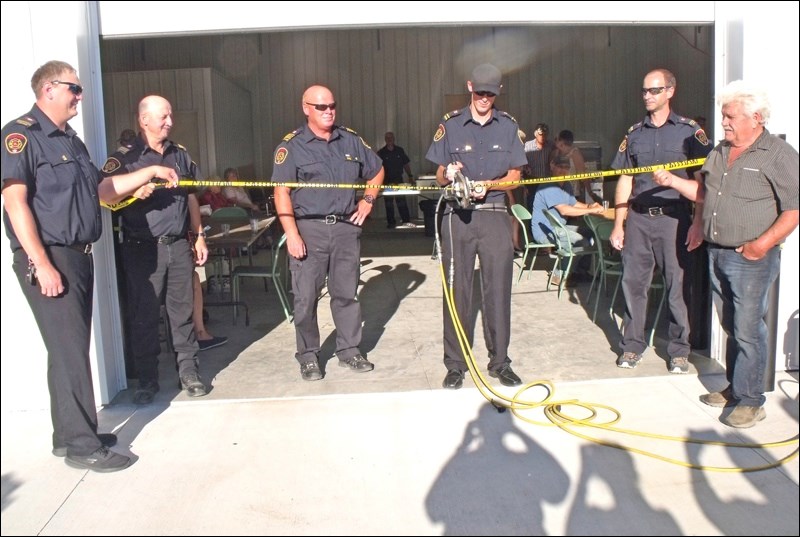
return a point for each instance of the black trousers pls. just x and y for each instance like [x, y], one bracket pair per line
[65, 323]
[333, 251]
[487, 235]
[402, 207]
[156, 273]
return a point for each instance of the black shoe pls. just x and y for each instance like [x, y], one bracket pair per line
[310, 371]
[453, 380]
[193, 385]
[103, 460]
[146, 392]
[215, 341]
[107, 439]
[357, 363]
[506, 375]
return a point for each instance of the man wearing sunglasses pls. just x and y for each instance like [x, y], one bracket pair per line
[656, 219]
[52, 216]
[323, 226]
[486, 146]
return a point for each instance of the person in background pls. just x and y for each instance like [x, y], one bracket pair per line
[557, 196]
[205, 340]
[395, 161]
[484, 144]
[538, 154]
[323, 226]
[656, 220]
[159, 260]
[126, 139]
[213, 196]
[748, 201]
[235, 194]
[52, 216]
[565, 148]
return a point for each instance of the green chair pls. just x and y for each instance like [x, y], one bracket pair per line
[523, 216]
[564, 249]
[609, 263]
[274, 271]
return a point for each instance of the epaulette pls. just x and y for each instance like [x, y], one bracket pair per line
[27, 121]
[291, 135]
[348, 129]
[634, 127]
[452, 114]
[181, 147]
[509, 116]
[122, 150]
[688, 121]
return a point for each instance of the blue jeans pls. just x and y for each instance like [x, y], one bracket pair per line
[743, 287]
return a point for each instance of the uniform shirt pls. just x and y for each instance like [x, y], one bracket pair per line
[677, 140]
[547, 197]
[743, 201]
[166, 212]
[61, 178]
[393, 164]
[346, 158]
[487, 151]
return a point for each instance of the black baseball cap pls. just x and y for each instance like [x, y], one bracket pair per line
[486, 77]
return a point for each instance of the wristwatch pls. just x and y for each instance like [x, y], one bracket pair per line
[369, 198]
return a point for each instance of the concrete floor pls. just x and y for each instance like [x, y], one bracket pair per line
[391, 453]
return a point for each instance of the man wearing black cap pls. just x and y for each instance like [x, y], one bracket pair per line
[485, 145]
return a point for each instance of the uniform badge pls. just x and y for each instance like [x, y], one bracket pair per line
[624, 145]
[280, 155]
[701, 137]
[111, 165]
[15, 143]
[439, 133]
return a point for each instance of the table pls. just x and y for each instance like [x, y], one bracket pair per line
[241, 235]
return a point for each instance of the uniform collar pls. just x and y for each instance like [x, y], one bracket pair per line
[307, 135]
[48, 127]
[467, 113]
[671, 118]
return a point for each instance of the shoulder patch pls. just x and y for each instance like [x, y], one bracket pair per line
[282, 152]
[700, 136]
[624, 145]
[111, 165]
[452, 114]
[291, 135]
[27, 121]
[509, 116]
[634, 127]
[440, 132]
[15, 143]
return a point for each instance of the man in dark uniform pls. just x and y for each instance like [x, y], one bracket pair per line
[323, 226]
[52, 216]
[395, 161]
[485, 144]
[157, 255]
[656, 220]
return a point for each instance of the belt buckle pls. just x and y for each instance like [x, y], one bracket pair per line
[655, 211]
[87, 249]
[330, 219]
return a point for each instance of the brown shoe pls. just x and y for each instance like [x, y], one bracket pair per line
[744, 417]
[719, 399]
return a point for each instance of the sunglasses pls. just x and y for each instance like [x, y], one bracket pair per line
[484, 94]
[322, 107]
[74, 88]
[654, 91]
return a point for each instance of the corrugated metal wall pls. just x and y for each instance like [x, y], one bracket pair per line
[585, 78]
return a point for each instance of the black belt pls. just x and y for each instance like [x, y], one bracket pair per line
[484, 207]
[657, 211]
[329, 219]
[719, 246]
[163, 239]
[80, 247]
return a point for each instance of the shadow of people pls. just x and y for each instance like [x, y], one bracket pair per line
[608, 500]
[496, 482]
[743, 503]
